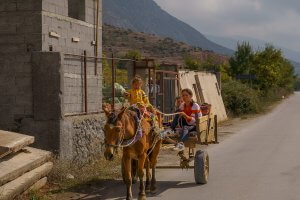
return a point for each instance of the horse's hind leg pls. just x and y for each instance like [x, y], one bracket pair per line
[141, 164]
[148, 176]
[127, 177]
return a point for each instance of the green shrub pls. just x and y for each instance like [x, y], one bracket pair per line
[239, 98]
[297, 84]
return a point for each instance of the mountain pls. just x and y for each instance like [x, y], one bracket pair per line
[231, 43]
[121, 41]
[146, 16]
[255, 43]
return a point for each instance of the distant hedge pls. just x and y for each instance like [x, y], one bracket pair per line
[240, 99]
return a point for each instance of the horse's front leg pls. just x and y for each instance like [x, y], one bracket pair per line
[148, 176]
[127, 176]
[141, 164]
[153, 180]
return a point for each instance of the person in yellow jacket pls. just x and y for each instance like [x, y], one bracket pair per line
[136, 96]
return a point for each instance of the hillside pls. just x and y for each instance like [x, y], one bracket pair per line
[120, 41]
[146, 16]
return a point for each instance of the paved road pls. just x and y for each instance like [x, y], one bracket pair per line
[261, 162]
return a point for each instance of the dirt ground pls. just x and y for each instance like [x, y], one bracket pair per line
[99, 188]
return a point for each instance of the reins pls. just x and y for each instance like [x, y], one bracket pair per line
[132, 140]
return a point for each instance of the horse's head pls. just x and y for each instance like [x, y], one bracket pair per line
[114, 131]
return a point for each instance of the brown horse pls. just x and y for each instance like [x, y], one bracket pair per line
[122, 127]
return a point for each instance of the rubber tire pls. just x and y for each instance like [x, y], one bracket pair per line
[199, 167]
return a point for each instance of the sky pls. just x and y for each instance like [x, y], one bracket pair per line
[274, 21]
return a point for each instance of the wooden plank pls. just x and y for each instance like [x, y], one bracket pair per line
[200, 90]
[11, 142]
[16, 187]
[4, 151]
[197, 94]
[14, 166]
[38, 185]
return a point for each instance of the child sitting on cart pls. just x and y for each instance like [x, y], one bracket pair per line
[186, 119]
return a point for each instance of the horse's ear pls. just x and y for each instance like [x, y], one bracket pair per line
[106, 108]
[120, 115]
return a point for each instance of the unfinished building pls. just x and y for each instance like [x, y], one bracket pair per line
[48, 89]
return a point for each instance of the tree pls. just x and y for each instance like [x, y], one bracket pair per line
[272, 69]
[242, 61]
[192, 63]
[133, 55]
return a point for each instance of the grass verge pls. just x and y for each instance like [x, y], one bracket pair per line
[67, 175]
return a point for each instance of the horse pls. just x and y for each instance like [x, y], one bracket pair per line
[123, 126]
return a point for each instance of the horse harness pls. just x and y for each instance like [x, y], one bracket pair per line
[125, 143]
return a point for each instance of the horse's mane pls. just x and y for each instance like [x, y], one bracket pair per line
[112, 119]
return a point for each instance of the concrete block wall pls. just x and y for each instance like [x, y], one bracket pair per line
[31, 101]
[74, 90]
[20, 31]
[59, 7]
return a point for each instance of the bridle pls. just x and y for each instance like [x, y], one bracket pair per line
[121, 141]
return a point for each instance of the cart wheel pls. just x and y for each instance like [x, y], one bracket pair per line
[201, 169]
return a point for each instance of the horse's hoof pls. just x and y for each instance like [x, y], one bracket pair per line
[142, 197]
[147, 190]
[153, 190]
[128, 198]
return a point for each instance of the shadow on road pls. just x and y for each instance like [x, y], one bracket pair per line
[116, 190]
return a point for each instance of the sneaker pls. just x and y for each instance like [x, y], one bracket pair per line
[179, 147]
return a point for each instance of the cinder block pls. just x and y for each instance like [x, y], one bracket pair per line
[7, 79]
[13, 48]
[8, 29]
[33, 19]
[24, 100]
[7, 100]
[47, 85]
[6, 114]
[11, 39]
[23, 80]
[46, 133]
[28, 110]
[18, 110]
[23, 67]
[29, 5]
[8, 6]
[29, 29]
[47, 20]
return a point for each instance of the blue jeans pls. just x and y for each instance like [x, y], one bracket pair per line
[186, 128]
[174, 122]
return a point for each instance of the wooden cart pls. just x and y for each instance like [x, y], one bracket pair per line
[207, 133]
